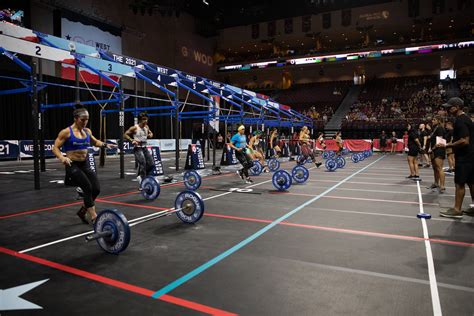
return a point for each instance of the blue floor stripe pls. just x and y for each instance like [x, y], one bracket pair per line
[170, 287]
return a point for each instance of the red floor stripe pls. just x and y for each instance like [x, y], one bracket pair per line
[346, 231]
[134, 205]
[39, 210]
[115, 283]
[239, 218]
[102, 198]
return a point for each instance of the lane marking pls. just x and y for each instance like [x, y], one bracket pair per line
[115, 283]
[173, 285]
[429, 258]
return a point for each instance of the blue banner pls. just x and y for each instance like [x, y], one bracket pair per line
[26, 148]
[9, 149]
[194, 159]
[228, 156]
[156, 156]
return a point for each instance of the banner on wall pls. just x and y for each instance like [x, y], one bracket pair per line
[26, 148]
[9, 149]
[73, 29]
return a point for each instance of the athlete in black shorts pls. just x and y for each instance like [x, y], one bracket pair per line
[463, 146]
[414, 148]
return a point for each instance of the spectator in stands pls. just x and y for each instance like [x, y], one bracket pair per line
[437, 154]
[463, 146]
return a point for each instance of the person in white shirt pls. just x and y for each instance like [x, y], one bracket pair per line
[138, 135]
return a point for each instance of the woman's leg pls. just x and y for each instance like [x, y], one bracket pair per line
[80, 175]
[451, 162]
[435, 172]
[410, 165]
[140, 158]
[439, 166]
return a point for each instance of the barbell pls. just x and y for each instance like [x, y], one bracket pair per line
[282, 180]
[112, 229]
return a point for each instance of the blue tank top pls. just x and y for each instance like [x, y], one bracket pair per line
[74, 143]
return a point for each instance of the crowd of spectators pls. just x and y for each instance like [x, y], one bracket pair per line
[466, 89]
[422, 104]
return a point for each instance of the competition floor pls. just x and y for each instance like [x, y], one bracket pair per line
[344, 243]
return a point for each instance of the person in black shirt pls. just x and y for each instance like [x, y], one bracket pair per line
[383, 141]
[437, 154]
[424, 135]
[449, 150]
[414, 147]
[463, 147]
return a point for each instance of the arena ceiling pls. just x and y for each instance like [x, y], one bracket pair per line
[217, 14]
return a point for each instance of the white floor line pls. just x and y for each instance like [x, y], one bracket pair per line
[374, 183]
[429, 258]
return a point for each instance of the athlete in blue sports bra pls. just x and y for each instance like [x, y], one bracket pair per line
[75, 141]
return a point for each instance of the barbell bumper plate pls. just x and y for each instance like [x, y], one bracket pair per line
[355, 158]
[281, 180]
[150, 188]
[325, 155]
[273, 164]
[331, 165]
[116, 222]
[192, 180]
[341, 162]
[257, 168]
[300, 174]
[189, 206]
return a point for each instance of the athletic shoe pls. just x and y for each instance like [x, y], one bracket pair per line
[416, 178]
[451, 213]
[433, 186]
[82, 214]
[90, 221]
[266, 171]
[469, 211]
[241, 174]
[248, 181]
[441, 190]
[318, 164]
[410, 177]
